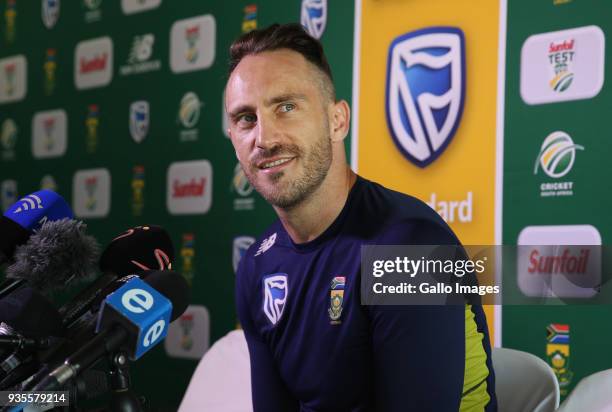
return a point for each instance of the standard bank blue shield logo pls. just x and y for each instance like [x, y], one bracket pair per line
[241, 245]
[425, 91]
[139, 120]
[314, 17]
[275, 296]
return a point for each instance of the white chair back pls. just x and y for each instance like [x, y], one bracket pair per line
[524, 382]
[592, 394]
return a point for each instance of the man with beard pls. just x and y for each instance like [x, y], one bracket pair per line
[312, 345]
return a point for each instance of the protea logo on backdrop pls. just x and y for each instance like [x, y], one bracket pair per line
[313, 17]
[558, 354]
[138, 185]
[249, 22]
[92, 121]
[49, 67]
[425, 91]
[10, 15]
[188, 256]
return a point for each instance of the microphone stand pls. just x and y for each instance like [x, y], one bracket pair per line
[122, 398]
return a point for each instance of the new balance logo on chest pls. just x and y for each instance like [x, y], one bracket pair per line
[266, 244]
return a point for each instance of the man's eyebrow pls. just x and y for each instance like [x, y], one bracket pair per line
[245, 108]
[284, 97]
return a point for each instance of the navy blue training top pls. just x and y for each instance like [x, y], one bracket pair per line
[310, 354]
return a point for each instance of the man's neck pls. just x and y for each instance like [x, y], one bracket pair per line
[314, 215]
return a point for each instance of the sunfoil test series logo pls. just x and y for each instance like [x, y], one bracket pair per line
[425, 91]
[563, 65]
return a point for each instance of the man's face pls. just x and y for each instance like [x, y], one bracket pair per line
[279, 125]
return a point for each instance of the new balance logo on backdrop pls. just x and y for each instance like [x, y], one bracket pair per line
[140, 60]
[425, 91]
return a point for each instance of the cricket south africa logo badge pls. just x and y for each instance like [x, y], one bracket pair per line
[336, 295]
[276, 289]
[425, 91]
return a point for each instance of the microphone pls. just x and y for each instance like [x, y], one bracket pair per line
[138, 249]
[147, 247]
[132, 319]
[58, 253]
[27, 215]
[27, 323]
[29, 313]
[80, 329]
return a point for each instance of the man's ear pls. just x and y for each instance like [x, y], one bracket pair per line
[341, 120]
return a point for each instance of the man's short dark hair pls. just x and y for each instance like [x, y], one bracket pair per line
[290, 36]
